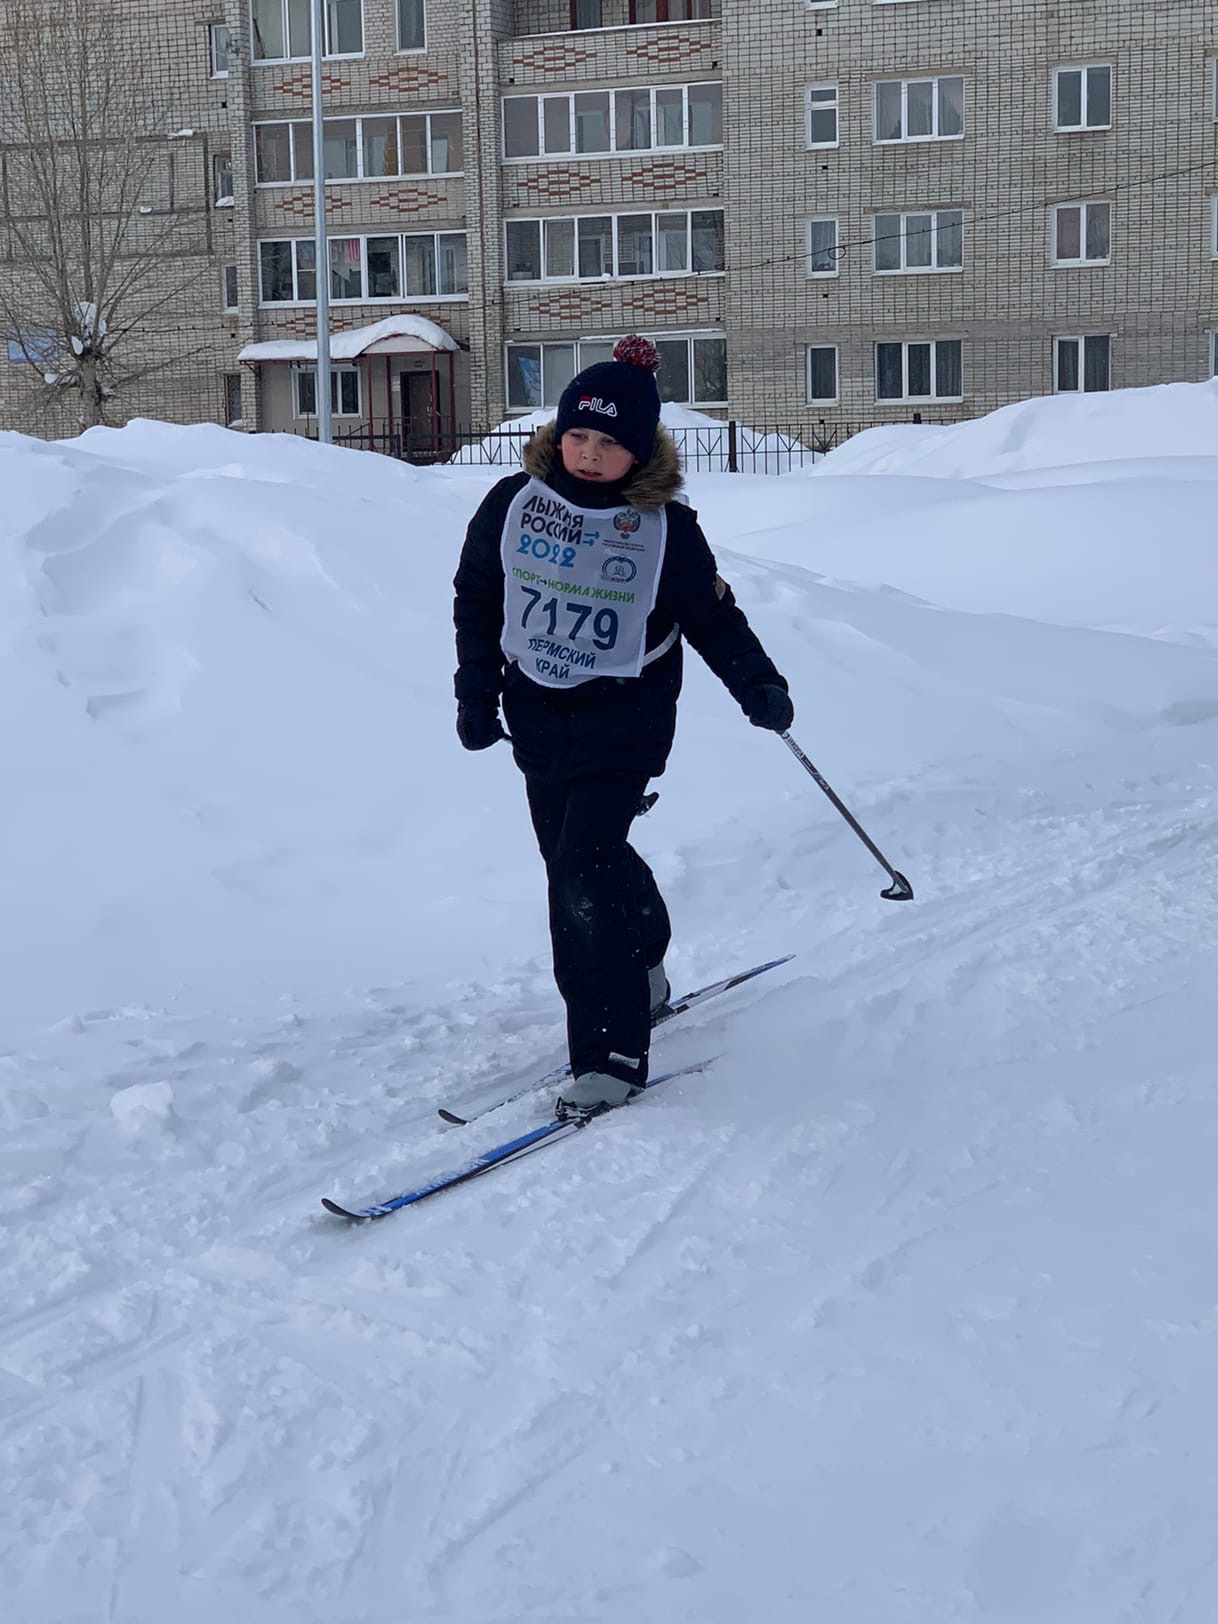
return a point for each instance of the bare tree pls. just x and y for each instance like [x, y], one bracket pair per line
[103, 204]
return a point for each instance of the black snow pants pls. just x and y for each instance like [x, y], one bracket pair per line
[608, 922]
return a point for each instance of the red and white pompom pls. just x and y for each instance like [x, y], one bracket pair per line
[637, 352]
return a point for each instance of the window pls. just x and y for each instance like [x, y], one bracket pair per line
[919, 371]
[412, 25]
[822, 374]
[585, 13]
[37, 346]
[1081, 364]
[675, 242]
[218, 43]
[1214, 228]
[282, 29]
[919, 109]
[1082, 233]
[822, 247]
[344, 391]
[1082, 98]
[919, 242]
[669, 11]
[820, 115]
[419, 265]
[1214, 354]
[693, 368]
[288, 271]
[361, 148]
[283, 152]
[222, 177]
[595, 122]
[229, 287]
[233, 410]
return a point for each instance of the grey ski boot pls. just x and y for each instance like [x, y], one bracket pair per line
[593, 1091]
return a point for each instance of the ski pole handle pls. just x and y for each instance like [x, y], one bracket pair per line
[900, 890]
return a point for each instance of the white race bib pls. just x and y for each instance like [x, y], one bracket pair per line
[579, 584]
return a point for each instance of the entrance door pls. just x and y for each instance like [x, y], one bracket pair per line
[418, 416]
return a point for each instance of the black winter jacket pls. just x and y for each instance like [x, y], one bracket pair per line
[609, 724]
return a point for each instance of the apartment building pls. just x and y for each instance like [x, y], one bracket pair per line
[825, 212]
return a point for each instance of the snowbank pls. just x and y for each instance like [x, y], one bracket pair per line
[1042, 438]
[1095, 512]
[898, 1310]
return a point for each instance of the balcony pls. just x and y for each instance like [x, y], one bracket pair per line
[531, 17]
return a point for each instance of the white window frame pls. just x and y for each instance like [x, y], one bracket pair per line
[363, 297]
[1080, 339]
[408, 50]
[222, 183]
[934, 398]
[1082, 69]
[834, 252]
[905, 269]
[823, 400]
[614, 275]
[935, 79]
[341, 56]
[612, 150]
[294, 124]
[692, 337]
[338, 370]
[230, 296]
[1083, 208]
[219, 45]
[821, 5]
[822, 146]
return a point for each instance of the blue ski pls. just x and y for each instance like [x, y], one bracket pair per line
[512, 1151]
[678, 1006]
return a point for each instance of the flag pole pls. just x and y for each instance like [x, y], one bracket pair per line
[322, 250]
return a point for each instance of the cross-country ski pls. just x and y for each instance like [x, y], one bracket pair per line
[511, 1151]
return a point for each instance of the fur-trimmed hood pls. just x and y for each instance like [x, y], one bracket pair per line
[651, 484]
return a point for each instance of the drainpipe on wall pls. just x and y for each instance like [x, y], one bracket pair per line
[322, 252]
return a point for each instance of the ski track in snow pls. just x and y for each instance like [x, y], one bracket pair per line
[300, 1418]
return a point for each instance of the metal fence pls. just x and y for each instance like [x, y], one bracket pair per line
[727, 447]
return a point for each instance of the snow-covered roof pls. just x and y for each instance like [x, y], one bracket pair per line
[395, 335]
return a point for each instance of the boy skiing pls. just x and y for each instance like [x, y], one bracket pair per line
[578, 579]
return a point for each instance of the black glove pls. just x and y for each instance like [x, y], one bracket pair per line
[768, 705]
[478, 725]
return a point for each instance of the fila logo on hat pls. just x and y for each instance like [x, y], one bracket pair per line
[594, 403]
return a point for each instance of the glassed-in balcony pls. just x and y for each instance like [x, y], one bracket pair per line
[579, 16]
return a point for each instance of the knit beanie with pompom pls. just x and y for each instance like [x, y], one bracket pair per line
[618, 397]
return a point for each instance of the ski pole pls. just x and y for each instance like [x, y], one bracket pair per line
[900, 890]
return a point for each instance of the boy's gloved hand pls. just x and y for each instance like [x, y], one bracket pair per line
[767, 705]
[478, 725]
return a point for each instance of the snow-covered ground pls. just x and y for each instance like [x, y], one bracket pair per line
[905, 1311]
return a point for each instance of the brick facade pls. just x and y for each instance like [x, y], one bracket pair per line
[1154, 296]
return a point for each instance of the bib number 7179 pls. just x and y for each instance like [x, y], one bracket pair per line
[604, 621]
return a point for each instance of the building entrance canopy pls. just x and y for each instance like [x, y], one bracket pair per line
[395, 335]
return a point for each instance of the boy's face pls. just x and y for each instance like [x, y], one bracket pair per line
[589, 454]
